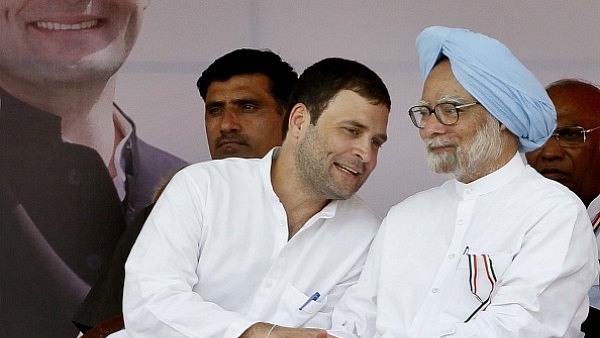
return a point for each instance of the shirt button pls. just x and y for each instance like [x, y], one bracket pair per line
[451, 256]
[461, 222]
[435, 290]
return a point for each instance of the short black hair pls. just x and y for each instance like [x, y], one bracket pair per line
[252, 61]
[322, 81]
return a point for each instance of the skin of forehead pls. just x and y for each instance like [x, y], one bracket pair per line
[576, 104]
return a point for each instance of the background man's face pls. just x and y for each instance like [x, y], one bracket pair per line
[242, 118]
[59, 40]
[578, 167]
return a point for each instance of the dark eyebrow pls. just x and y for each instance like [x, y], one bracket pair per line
[214, 104]
[361, 126]
[244, 101]
[355, 124]
[237, 102]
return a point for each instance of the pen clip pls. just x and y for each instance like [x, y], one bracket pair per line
[314, 297]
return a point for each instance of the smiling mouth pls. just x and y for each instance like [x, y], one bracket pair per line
[57, 26]
[438, 149]
[437, 145]
[346, 169]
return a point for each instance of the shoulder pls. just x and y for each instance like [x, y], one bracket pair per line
[232, 171]
[227, 166]
[535, 187]
[423, 200]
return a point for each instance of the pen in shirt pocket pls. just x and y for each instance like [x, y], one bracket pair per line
[312, 298]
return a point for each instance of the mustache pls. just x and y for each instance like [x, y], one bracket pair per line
[231, 137]
[434, 142]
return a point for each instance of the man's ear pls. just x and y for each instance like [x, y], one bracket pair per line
[299, 119]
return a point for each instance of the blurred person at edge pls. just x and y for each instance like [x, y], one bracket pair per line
[572, 157]
[72, 170]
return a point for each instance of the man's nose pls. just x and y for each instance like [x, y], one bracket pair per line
[230, 121]
[552, 149]
[431, 126]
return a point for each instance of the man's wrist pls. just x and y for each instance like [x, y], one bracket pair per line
[270, 330]
[258, 330]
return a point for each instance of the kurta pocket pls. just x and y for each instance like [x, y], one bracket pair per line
[295, 307]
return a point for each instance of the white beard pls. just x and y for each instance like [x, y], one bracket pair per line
[470, 159]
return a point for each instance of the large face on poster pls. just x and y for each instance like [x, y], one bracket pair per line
[72, 171]
[66, 40]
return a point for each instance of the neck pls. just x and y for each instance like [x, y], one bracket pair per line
[299, 201]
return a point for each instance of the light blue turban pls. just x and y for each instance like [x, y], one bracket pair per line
[493, 75]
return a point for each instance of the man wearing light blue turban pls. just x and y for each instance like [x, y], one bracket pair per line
[488, 70]
[497, 252]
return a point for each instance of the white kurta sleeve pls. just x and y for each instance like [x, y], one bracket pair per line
[355, 314]
[161, 272]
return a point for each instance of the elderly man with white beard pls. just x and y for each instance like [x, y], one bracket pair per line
[498, 251]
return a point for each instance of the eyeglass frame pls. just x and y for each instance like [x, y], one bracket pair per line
[581, 130]
[434, 112]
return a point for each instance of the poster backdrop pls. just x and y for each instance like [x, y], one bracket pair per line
[156, 89]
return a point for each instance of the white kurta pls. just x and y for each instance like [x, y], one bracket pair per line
[214, 257]
[509, 255]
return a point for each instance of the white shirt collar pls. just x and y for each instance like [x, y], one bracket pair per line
[493, 180]
[126, 129]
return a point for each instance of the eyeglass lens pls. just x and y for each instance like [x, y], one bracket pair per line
[446, 113]
[570, 136]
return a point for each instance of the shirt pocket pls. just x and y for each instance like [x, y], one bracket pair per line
[476, 280]
[295, 308]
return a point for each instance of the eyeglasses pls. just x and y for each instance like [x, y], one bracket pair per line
[446, 113]
[572, 136]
